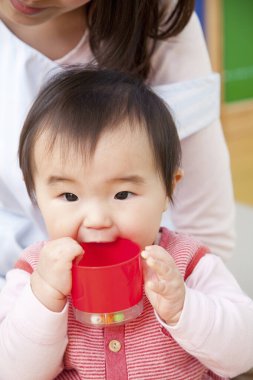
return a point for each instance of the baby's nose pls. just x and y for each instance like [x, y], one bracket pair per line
[98, 224]
[96, 231]
[97, 219]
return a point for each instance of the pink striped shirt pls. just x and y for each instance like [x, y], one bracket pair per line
[147, 350]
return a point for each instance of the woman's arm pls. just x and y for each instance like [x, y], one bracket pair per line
[17, 231]
[204, 203]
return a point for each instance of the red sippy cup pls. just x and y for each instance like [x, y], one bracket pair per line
[107, 283]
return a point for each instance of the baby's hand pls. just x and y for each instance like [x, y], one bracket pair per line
[51, 282]
[164, 285]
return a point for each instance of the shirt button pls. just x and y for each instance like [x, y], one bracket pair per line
[114, 345]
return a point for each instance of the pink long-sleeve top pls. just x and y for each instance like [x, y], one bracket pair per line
[215, 327]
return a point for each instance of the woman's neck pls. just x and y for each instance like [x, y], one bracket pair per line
[56, 37]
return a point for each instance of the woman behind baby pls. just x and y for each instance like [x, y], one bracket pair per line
[101, 157]
[161, 42]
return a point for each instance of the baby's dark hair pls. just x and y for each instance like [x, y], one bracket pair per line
[79, 104]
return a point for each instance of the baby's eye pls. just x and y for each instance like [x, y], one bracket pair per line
[123, 195]
[70, 197]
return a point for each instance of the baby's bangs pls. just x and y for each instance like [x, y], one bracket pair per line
[59, 135]
[73, 134]
[76, 125]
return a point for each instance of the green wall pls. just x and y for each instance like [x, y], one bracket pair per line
[238, 49]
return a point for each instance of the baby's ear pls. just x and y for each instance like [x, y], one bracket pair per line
[177, 177]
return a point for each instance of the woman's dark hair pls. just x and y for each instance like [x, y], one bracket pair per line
[124, 33]
[78, 105]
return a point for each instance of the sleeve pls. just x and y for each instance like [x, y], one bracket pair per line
[204, 200]
[32, 339]
[216, 324]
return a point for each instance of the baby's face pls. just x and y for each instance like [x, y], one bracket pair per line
[118, 192]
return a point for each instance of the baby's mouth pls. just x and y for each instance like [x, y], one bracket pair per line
[97, 236]
[98, 241]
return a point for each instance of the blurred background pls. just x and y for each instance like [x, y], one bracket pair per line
[228, 29]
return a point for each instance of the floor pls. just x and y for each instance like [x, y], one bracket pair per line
[241, 263]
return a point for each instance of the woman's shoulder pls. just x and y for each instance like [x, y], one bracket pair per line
[181, 58]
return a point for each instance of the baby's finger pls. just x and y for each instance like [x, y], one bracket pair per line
[157, 252]
[61, 250]
[160, 287]
[148, 272]
[162, 270]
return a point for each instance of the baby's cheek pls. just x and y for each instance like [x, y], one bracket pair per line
[58, 229]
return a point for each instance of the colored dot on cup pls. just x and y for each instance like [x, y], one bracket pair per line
[97, 319]
[119, 317]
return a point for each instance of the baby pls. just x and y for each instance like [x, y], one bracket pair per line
[100, 156]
